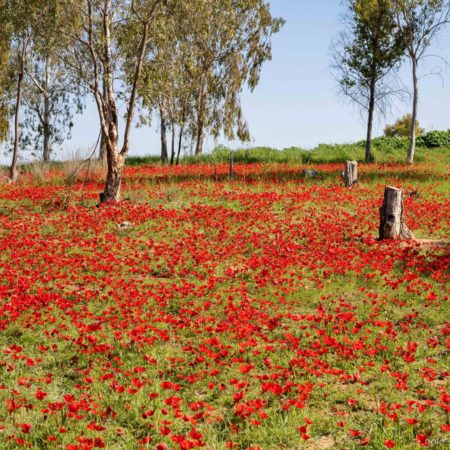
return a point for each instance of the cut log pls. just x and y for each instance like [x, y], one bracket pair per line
[391, 216]
[350, 174]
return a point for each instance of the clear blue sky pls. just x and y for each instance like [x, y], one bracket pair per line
[296, 102]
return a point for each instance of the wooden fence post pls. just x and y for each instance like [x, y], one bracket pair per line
[391, 216]
[350, 174]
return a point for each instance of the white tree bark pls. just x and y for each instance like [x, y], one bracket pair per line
[391, 216]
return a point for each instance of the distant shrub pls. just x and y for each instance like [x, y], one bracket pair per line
[434, 139]
[401, 128]
[388, 143]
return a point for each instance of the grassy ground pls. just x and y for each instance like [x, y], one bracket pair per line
[254, 313]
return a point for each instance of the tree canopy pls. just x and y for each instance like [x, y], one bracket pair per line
[401, 127]
[368, 51]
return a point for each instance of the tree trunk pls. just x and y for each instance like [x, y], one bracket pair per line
[13, 172]
[115, 159]
[391, 216]
[231, 173]
[102, 150]
[180, 143]
[350, 174]
[201, 119]
[105, 100]
[172, 154]
[412, 135]
[164, 157]
[200, 137]
[369, 155]
[46, 130]
[102, 154]
[114, 175]
[46, 116]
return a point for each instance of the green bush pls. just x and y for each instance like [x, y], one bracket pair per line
[387, 144]
[434, 139]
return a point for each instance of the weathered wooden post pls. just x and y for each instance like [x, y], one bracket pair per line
[350, 175]
[391, 216]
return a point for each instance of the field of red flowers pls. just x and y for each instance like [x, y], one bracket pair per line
[254, 313]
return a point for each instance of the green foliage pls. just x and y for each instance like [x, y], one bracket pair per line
[368, 51]
[420, 21]
[388, 143]
[5, 74]
[401, 127]
[206, 51]
[376, 45]
[434, 139]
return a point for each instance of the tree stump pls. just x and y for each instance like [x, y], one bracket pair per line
[350, 174]
[391, 216]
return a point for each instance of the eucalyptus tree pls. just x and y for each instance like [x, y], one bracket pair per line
[26, 24]
[201, 55]
[158, 86]
[106, 42]
[51, 95]
[18, 17]
[367, 52]
[51, 99]
[230, 41]
[5, 76]
[420, 22]
[167, 85]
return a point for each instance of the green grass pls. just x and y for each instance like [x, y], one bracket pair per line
[322, 154]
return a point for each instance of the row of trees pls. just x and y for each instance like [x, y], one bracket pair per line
[184, 62]
[379, 35]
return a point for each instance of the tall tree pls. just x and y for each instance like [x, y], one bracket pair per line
[194, 72]
[27, 23]
[367, 52]
[160, 78]
[230, 42]
[167, 86]
[420, 21]
[51, 95]
[5, 75]
[51, 99]
[18, 16]
[108, 41]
